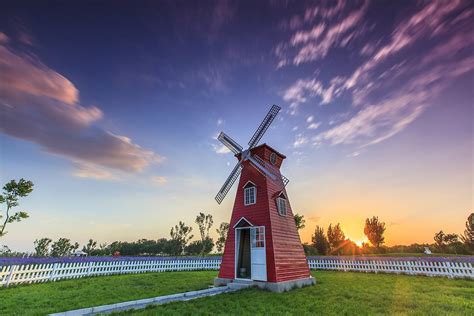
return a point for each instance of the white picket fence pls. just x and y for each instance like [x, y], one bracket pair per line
[34, 273]
[450, 269]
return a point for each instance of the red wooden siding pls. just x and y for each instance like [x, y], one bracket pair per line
[285, 255]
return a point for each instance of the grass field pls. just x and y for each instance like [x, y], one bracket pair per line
[335, 293]
[41, 299]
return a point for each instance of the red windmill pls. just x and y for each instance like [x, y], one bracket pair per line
[263, 245]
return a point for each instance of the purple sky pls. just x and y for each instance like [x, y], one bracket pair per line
[112, 109]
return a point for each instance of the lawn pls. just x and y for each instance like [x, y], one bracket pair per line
[41, 299]
[335, 293]
[340, 293]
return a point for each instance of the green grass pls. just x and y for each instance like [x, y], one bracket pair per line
[339, 293]
[41, 299]
[348, 293]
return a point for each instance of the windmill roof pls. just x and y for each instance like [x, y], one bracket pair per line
[271, 148]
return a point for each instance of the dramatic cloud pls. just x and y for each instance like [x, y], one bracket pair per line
[389, 88]
[392, 114]
[40, 105]
[431, 20]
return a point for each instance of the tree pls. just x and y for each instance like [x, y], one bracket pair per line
[161, 245]
[180, 236]
[42, 247]
[12, 191]
[4, 250]
[90, 247]
[468, 236]
[374, 231]
[335, 237]
[450, 239]
[204, 223]
[320, 242]
[63, 247]
[439, 239]
[198, 247]
[310, 250]
[222, 231]
[299, 221]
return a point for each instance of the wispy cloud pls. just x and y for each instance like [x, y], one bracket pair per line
[300, 141]
[93, 172]
[382, 120]
[389, 88]
[314, 125]
[305, 89]
[159, 180]
[39, 105]
[220, 149]
[333, 29]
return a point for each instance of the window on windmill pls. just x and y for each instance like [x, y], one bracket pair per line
[281, 205]
[250, 194]
[259, 240]
[273, 158]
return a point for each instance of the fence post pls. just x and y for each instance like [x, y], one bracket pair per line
[53, 272]
[89, 268]
[450, 271]
[10, 275]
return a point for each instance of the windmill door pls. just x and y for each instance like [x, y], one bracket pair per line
[258, 254]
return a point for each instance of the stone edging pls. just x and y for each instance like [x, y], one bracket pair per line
[139, 304]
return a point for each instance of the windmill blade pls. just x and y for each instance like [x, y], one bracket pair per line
[285, 180]
[261, 167]
[264, 126]
[228, 183]
[230, 143]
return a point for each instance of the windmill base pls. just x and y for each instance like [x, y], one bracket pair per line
[278, 287]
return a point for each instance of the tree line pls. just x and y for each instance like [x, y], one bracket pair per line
[334, 241]
[331, 242]
[178, 244]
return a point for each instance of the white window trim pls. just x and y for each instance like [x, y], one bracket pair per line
[278, 201]
[240, 220]
[254, 195]
[247, 183]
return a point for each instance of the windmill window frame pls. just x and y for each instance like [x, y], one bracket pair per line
[259, 240]
[273, 158]
[281, 205]
[250, 194]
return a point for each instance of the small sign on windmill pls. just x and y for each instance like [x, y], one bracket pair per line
[263, 246]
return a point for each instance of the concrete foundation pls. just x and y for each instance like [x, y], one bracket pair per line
[271, 286]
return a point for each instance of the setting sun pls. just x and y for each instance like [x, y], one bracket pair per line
[360, 242]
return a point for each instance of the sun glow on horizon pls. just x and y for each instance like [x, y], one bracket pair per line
[360, 242]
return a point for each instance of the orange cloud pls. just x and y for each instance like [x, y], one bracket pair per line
[39, 105]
